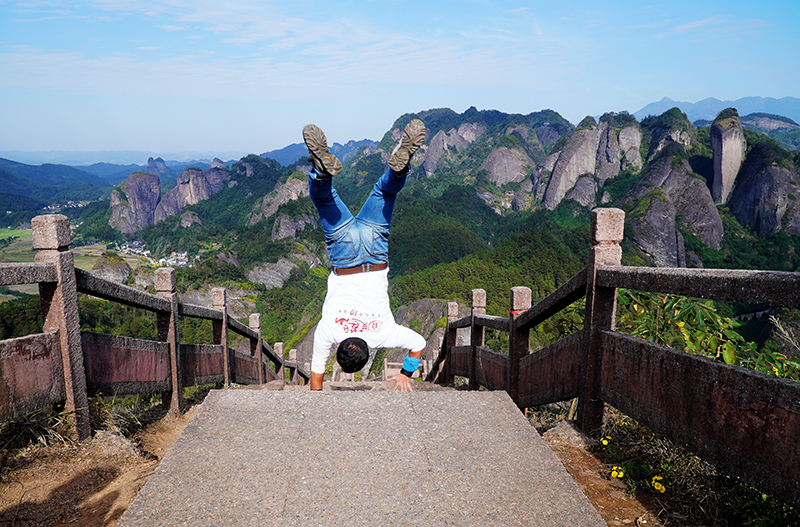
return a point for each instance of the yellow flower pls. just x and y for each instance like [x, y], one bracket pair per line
[656, 483]
[774, 369]
[617, 472]
[606, 440]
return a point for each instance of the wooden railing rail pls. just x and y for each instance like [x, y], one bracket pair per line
[193, 311]
[743, 421]
[768, 288]
[98, 287]
[558, 300]
[64, 363]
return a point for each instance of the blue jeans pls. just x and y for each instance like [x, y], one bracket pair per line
[361, 239]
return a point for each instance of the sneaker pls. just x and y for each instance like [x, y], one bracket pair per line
[324, 162]
[413, 136]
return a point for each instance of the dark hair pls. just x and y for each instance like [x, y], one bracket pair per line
[352, 354]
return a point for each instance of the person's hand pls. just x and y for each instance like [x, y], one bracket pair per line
[402, 383]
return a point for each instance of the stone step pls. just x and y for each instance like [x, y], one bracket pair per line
[358, 457]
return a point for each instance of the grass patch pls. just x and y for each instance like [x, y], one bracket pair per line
[687, 490]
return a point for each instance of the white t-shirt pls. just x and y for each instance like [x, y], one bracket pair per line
[357, 305]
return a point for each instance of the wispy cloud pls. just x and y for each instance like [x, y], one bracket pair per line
[716, 25]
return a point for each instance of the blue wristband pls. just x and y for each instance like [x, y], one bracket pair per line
[410, 365]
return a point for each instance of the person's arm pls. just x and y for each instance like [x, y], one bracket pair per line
[316, 380]
[323, 341]
[403, 379]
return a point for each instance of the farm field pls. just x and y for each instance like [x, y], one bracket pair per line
[20, 249]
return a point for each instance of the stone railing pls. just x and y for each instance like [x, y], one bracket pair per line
[745, 422]
[66, 364]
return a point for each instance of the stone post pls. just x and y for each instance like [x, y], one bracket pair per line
[255, 346]
[219, 301]
[279, 371]
[293, 368]
[601, 304]
[476, 335]
[446, 376]
[59, 302]
[518, 338]
[167, 326]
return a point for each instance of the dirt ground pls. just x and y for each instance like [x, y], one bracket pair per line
[610, 497]
[93, 485]
[88, 486]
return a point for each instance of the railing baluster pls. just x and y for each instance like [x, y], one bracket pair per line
[601, 304]
[255, 346]
[219, 300]
[59, 301]
[476, 335]
[167, 324]
[280, 373]
[446, 375]
[518, 338]
[293, 367]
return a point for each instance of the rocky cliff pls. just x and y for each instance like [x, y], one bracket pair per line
[728, 145]
[134, 202]
[579, 157]
[291, 190]
[137, 202]
[193, 186]
[593, 154]
[766, 199]
[112, 267]
[505, 165]
[668, 198]
[453, 139]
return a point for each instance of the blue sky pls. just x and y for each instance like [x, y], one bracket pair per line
[246, 76]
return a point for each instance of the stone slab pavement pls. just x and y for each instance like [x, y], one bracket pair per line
[268, 458]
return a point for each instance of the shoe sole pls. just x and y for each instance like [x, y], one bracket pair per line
[413, 136]
[317, 145]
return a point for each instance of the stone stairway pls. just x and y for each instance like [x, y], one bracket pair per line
[359, 457]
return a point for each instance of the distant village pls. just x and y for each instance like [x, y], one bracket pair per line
[137, 247]
[58, 207]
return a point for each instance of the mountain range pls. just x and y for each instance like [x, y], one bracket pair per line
[491, 199]
[708, 109]
[672, 175]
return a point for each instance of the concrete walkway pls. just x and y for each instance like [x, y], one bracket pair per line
[268, 458]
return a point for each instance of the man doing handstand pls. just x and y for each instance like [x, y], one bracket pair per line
[356, 312]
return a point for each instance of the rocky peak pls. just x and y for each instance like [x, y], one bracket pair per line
[670, 127]
[217, 163]
[728, 145]
[157, 166]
